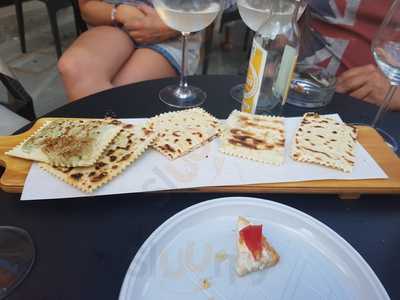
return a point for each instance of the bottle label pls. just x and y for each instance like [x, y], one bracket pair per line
[254, 78]
[286, 69]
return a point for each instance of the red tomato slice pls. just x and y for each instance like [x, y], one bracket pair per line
[252, 236]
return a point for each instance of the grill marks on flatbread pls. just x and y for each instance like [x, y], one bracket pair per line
[183, 131]
[324, 141]
[68, 143]
[123, 150]
[260, 138]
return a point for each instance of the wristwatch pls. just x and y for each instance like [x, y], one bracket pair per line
[114, 21]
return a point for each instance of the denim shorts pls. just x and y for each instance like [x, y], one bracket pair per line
[172, 49]
[172, 52]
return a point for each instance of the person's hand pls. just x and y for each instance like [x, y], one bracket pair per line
[149, 29]
[366, 83]
[128, 13]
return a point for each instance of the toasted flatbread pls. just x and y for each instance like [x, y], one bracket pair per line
[68, 143]
[245, 261]
[325, 141]
[260, 138]
[183, 131]
[123, 150]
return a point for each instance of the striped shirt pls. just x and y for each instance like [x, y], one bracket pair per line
[340, 32]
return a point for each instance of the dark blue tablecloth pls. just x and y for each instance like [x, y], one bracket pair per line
[84, 246]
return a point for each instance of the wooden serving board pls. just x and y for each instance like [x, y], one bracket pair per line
[17, 169]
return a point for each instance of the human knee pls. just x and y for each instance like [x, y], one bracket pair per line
[70, 66]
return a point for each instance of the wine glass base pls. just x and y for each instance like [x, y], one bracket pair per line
[237, 92]
[182, 97]
[17, 254]
[389, 140]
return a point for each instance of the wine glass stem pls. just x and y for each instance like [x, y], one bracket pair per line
[183, 83]
[384, 105]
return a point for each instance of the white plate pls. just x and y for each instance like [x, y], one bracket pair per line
[316, 263]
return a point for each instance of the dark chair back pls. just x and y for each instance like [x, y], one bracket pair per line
[80, 23]
[19, 100]
[53, 6]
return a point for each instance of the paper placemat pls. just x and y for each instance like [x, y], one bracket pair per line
[206, 166]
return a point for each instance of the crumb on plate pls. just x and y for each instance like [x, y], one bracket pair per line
[221, 256]
[205, 284]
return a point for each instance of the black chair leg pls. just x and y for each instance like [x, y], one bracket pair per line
[246, 39]
[52, 12]
[22, 102]
[222, 24]
[28, 112]
[78, 31]
[207, 47]
[21, 26]
[76, 19]
[79, 23]
[205, 66]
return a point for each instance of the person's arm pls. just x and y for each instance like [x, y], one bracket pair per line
[97, 12]
[150, 29]
[367, 83]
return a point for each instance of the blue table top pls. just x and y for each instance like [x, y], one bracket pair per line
[84, 246]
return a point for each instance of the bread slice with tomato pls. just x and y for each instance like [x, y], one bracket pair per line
[254, 253]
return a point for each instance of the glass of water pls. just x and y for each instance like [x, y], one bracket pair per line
[186, 16]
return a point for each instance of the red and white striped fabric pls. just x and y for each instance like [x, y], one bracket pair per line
[341, 32]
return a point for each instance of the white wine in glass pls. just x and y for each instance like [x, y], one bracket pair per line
[254, 14]
[386, 51]
[186, 16]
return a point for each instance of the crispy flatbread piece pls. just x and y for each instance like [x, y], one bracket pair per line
[324, 141]
[245, 261]
[68, 143]
[123, 150]
[260, 138]
[183, 131]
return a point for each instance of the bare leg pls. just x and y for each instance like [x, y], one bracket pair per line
[144, 64]
[92, 61]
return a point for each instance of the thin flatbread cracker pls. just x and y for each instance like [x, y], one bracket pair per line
[183, 131]
[123, 150]
[255, 137]
[68, 143]
[324, 141]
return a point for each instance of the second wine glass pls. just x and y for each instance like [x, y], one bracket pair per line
[386, 51]
[186, 16]
[254, 14]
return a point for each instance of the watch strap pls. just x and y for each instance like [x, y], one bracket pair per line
[114, 21]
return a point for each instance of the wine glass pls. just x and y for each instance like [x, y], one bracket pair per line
[17, 254]
[386, 51]
[186, 16]
[254, 13]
